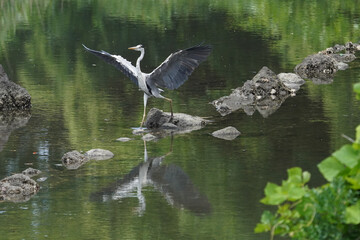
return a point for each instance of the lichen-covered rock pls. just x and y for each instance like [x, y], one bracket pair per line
[157, 118]
[17, 188]
[342, 66]
[291, 80]
[74, 159]
[315, 64]
[265, 91]
[320, 68]
[31, 172]
[12, 96]
[338, 48]
[159, 124]
[264, 83]
[346, 57]
[99, 154]
[351, 47]
[228, 133]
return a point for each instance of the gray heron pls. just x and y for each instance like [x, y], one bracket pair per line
[170, 74]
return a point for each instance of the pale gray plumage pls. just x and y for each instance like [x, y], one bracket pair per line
[119, 62]
[171, 74]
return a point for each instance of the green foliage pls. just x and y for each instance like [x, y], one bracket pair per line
[352, 214]
[331, 211]
[292, 189]
[328, 212]
[357, 90]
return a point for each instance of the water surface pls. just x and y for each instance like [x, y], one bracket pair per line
[80, 103]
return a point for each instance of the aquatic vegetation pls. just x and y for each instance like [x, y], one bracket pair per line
[330, 211]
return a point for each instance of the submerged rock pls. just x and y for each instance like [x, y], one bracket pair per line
[148, 137]
[42, 179]
[139, 131]
[74, 159]
[99, 154]
[17, 188]
[265, 92]
[228, 133]
[123, 139]
[31, 172]
[12, 96]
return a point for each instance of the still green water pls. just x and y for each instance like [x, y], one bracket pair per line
[205, 188]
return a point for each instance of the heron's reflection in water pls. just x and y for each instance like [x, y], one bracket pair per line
[169, 179]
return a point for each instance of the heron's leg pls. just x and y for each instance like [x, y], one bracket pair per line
[171, 109]
[145, 102]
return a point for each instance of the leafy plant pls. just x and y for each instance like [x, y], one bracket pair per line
[331, 211]
[357, 90]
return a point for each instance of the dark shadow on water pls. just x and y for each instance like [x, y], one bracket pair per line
[169, 179]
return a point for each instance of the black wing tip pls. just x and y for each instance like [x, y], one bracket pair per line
[86, 48]
[102, 52]
[201, 47]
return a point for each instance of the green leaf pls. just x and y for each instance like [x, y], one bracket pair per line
[356, 88]
[347, 155]
[358, 134]
[266, 219]
[330, 168]
[306, 177]
[354, 181]
[260, 227]
[352, 214]
[295, 175]
[273, 194]
[296, 193]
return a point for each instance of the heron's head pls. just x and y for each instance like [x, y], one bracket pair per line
[137, 47]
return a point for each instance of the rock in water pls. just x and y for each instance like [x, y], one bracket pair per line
[228, 133]
[157, 118]
[31, 172]
[99, 154]
[318, 67]
[123, 139]
[346, 57]
[265, 81]
[17, 188]
[291, 80]
[265, 93]
[149, 137]
[74, 159]
[12, 96]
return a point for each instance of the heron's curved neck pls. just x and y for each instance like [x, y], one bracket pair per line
[139, 59]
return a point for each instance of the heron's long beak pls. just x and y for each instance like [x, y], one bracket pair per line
[132, 48]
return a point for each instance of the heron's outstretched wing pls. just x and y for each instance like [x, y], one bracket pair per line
[119, 62]
[176, 69]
